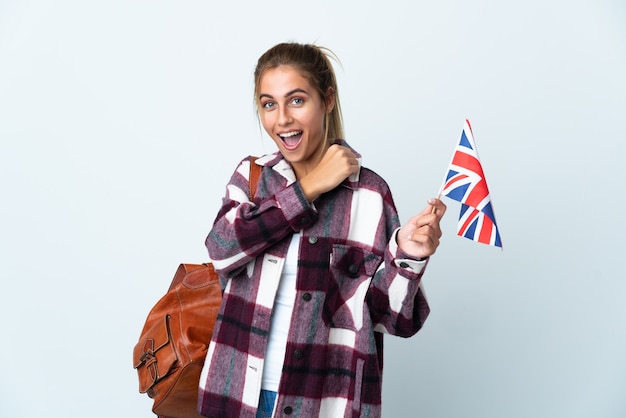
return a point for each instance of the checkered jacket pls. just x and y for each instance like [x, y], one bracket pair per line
[353, 284]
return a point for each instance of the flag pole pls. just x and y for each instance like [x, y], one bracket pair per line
[443, 183]
[438, 198]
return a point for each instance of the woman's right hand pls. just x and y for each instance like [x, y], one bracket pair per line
[337, 164]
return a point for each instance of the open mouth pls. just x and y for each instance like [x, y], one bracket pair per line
[291, 139]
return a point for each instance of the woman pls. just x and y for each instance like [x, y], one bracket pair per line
[316, 268]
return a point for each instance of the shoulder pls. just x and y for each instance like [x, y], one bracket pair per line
[369, 179]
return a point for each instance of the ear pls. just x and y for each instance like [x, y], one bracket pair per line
[330, 99]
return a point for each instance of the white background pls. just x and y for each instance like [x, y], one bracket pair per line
[121, 121]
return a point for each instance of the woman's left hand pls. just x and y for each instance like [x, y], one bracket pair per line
[419, 237]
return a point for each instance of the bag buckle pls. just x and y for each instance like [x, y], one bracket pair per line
[149, 360]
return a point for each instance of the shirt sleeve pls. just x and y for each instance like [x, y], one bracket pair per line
[396, 299]
[243, 229]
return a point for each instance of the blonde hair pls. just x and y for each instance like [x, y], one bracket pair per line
[313, 63]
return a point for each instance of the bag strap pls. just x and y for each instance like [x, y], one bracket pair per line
[255, 174]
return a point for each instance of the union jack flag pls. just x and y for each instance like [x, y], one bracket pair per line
[465, 183]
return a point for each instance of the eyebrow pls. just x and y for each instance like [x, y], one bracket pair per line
[289, 93]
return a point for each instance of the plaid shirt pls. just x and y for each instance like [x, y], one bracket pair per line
[353, 284]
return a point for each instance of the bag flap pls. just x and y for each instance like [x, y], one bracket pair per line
[154, 356]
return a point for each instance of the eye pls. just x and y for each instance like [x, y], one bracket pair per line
[267, 105]
[297, 101]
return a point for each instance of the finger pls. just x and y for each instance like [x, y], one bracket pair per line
[437, 207]
[434, 206]
[428, 243]
[424, 218]
[431, 230]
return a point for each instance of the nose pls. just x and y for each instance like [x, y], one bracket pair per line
[284, 116]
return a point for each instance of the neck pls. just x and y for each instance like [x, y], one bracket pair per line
[302, 169]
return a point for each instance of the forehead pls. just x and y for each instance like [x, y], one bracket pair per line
[283, 79]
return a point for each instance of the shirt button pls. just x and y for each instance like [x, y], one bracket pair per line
[312, 240]
[298, 354]
[404, 264]
[353, 269]
[306, 297]
[304, 220]
[288, 410]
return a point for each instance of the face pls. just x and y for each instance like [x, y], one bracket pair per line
[292, 112]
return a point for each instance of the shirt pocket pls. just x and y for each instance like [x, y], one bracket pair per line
[351, 271]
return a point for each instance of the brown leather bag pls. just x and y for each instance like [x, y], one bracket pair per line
[173, 343]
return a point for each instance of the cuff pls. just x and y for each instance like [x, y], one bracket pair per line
[404, 261]
[294, 206]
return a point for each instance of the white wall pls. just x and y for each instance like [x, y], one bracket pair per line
[121, 121]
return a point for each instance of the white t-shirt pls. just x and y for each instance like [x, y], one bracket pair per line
[281, 319]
